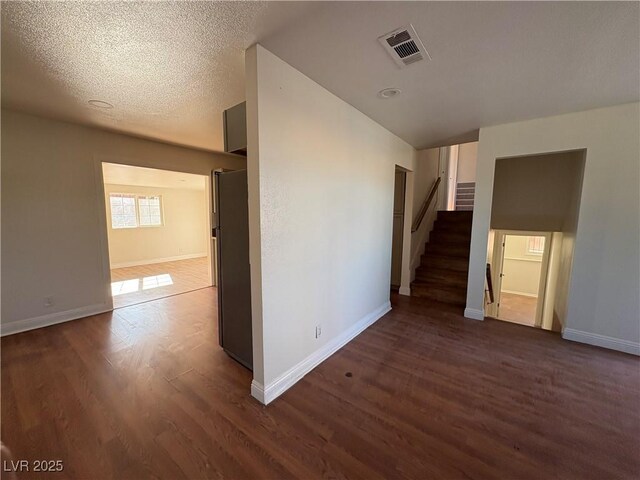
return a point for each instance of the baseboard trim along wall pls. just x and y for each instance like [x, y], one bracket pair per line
[26, 324]
[524, 294]
[294, 374]
[474, 313]
[138, 263]
[625, 346]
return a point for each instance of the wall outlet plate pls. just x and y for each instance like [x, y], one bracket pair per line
[318, 331]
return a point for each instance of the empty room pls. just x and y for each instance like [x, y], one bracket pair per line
[158, 233]
[264, 240]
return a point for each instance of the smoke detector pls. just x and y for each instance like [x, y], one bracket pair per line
[404, 46]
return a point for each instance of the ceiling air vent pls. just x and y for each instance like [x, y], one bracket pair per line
[404, 46]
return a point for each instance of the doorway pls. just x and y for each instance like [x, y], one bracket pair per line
[457, 169]
[399, 190]
[523, 259]
[158, 234]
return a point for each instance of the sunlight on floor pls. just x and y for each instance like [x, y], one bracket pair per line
[156, 281]
[133, 285]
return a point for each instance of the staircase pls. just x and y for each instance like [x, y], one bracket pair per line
[465, 195]
[442, 274]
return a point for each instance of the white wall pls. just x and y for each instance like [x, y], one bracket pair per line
[603, 302]
[183, 234]
[467, 159]
[321, 178]
[521, 269]
[53, 241]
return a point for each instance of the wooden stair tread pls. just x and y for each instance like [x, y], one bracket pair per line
[445, 294]
[453, 279]
[459, 264]
[450, 250]
[444, 266]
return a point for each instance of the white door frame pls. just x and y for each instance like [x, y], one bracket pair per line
[498, 260]
[405, 275]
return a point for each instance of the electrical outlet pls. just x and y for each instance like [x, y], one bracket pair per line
[318, 331]
[48, 301]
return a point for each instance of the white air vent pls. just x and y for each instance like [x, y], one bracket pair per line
[404, 46]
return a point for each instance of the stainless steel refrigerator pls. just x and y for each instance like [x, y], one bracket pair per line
[234, 280]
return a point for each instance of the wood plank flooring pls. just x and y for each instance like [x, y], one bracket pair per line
[518, 308]
[158, 280]
[145, 392]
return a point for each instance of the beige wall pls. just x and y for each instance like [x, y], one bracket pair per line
[321, 181]
[184, 233]
[537, 192]
[425, 174]
[467, 160]
[53, 240]
[521, 269]
[602, 302]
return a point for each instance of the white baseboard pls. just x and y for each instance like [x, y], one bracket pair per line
[176, 258]
[601, 341]
[285, 381]
[474, 313]
[257, 392]
[52, 319]
[515, 292]
[405, 291]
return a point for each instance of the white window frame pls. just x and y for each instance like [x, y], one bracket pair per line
[534, 250]
[111, 214]
[137, 210]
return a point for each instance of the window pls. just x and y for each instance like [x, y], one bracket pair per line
[123, 210]
[131, 211]
[150, 212]
[535, 245]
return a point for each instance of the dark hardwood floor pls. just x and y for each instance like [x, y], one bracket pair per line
[145, 392]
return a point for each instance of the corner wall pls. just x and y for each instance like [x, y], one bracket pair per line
[603, 305]
[53, 241]
[321, 179]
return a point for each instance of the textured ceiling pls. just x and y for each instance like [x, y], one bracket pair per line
[170, 68]
[116, 174]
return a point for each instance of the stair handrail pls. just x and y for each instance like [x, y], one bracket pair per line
[425, 206]
[489, 288]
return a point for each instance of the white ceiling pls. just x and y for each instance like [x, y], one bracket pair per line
[116, 174]
[170, 68]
